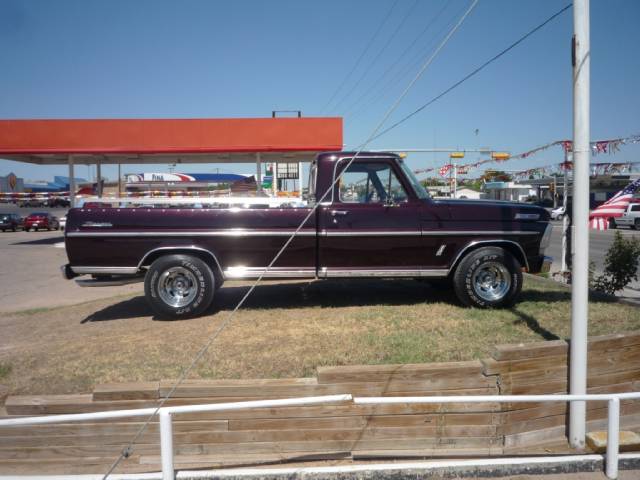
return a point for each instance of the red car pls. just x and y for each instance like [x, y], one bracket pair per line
[36, 221]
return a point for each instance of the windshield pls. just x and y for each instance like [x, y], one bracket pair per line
[415, 183]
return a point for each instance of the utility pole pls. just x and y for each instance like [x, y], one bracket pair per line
[555, 191]
[455, 180]
[581, 59]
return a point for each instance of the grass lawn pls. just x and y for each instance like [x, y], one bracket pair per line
[286, 329]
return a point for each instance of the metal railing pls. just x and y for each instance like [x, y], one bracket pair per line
[166, 426]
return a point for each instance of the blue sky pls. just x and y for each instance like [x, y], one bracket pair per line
[155, 59]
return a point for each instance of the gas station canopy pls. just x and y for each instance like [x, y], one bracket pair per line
[142, 141]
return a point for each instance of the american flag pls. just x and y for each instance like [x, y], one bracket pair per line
[613, 208]
[444, 170]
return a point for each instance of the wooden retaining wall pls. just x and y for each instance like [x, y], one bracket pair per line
[336, 431]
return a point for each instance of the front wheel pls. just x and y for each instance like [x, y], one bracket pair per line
[488, 277]
[179, 286]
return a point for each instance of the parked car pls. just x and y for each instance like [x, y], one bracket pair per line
[62, 222]
[11, 221]
[39, 220]
[630, 217]
[557, 213]
[377, 221]
[32, 202]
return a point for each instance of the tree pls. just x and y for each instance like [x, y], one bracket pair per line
[620, 265]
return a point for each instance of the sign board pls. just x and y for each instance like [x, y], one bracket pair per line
[287, 171]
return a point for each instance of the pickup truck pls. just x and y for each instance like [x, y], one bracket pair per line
[630, 217]
[376, 221]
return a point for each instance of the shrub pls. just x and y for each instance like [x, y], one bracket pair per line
[620, 265]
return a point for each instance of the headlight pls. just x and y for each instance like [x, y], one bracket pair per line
[546, 238]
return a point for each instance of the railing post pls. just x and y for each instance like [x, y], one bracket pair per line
[613, 436]
[166, 445]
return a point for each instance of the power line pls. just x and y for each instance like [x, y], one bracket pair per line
[364, 52]
[400, 57]
[385, 90]
[379, 54]
[474, 72]
[128, 450]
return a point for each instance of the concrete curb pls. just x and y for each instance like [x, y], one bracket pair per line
[445, 469]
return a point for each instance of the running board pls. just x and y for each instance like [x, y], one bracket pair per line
[109, 282]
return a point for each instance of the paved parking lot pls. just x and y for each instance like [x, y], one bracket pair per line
[30, 274]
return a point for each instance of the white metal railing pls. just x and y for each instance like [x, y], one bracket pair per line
[166, 427]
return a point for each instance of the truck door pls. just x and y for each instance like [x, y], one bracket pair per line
[372, 226]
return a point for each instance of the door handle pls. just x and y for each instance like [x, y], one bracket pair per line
[339, 213]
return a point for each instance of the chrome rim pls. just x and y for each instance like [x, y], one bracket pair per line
[177, 286]
[491, 281]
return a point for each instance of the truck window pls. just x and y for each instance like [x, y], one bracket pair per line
[421, 192]
[373, 182]
[635, 208]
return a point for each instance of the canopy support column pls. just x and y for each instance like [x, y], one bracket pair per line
[72, 182]
[99, 177]
[258, 173]
[119, 181]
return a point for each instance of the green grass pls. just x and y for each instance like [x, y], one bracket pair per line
[5, 370]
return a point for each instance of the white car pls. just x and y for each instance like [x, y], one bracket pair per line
[63, 222]
[557, 213]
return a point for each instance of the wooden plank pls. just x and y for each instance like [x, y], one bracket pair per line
[333, 445]
[345, 411]
[129, 428]
[126, 391]
[560, 385]
[436, 452]
[383, 373]
[360, 422]
[613, 341]
[518, 351]
[440, 383]
[76, 451]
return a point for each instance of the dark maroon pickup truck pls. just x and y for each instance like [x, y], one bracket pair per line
[377, 221]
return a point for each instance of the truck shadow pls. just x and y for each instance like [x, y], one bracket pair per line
[41, 241]
[336, 293]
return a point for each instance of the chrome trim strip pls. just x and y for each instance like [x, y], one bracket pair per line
[105, 270]
[181, 247]
[303, 233]
[390, 272]
[440, 233]
[494, 242]
[371, 233]
[206, 233]
[278, 272]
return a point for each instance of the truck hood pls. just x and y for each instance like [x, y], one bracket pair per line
[487, 210]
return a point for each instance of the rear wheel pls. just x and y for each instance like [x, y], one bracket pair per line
[488, 277]
[636, 224]
[179, 286]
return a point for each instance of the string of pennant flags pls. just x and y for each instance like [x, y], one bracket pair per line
[598, 147]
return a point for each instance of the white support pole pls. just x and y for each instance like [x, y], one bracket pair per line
[166, 445]
[274, 180]
[119, 181]
[580, 222]
[258, 173]
[565, 216]
[455, 180]
[99, 177]
[72, 183]
[613, 439]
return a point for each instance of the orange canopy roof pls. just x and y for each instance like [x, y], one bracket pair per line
[28, 140]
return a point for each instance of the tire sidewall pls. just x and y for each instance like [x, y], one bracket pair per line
[205, 286]
[463, 279]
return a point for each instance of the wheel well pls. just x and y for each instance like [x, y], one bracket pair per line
[512, 247]
[205, 255]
